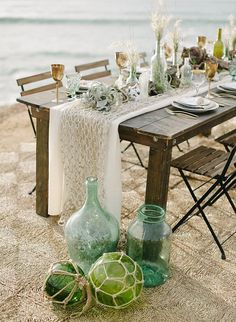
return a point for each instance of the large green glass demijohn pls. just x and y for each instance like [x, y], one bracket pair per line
[91, 231]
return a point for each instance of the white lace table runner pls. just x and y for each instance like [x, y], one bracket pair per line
[84, 142]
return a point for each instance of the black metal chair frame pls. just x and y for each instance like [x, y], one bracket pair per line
[224, 183]
[131, 144]
[223, 139]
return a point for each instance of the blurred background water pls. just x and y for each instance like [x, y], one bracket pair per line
[34, 34]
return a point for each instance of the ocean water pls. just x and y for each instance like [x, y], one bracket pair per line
[36, 33]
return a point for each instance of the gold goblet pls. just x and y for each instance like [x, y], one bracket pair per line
[121, 62]
[121, 59]
[211, 69]
[57, 75]
[201, 41]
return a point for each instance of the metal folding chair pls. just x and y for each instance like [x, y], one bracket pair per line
[216, 165]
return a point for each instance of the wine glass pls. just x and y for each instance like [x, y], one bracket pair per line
[198, 78]
[201, 41]
[57, 75]
[211, 69]
[73, 83]
[121, 62]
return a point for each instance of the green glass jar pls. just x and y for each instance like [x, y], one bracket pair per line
[91, 231]
[148, 243]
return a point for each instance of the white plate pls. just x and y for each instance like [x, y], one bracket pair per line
[213, 106]
[233, 92]
[193, 101]
[229, 86]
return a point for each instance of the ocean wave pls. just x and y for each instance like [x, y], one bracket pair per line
[82, 21]
[100, 21]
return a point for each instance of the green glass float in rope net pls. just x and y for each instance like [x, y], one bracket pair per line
[116, 280]
[66, 284]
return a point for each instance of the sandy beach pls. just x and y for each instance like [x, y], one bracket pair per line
[202, 286]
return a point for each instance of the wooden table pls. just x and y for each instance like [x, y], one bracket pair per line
[158, 130]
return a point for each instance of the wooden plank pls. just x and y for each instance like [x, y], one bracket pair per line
[186, 158]
[200, 159]
[158, 176]
[40, 113]
[42, 99]
[42, 167]
[184, 129]
[97, 75]
[100, 63]
[39, 89]
[33, 78]
[219, 159]
[228, 138]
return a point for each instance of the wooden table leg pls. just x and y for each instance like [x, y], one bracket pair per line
[42, 167]
[158, 177]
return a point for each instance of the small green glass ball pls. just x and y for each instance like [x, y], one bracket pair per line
[116, 280]
[58, 286]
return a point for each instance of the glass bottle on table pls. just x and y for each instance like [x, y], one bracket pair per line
[158, 69]
[148, 243]
[186, 73]
[218, 50]
[91, 231]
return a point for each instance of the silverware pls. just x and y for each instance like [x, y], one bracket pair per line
[191, 115]
[223, 95]
[219, 101]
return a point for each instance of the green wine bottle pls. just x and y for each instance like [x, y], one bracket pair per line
[219, 46]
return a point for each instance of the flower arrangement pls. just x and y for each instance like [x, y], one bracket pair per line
[101, 97]
[159, 22]
[132, 53]
[132, 58]
[175, 39]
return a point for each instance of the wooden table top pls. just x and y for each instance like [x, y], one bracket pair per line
[150, 127]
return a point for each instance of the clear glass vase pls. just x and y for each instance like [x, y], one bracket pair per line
[158, 69]
[232, 69]
[186, 73]
[132, 78]
[148, 243]
[91, 231]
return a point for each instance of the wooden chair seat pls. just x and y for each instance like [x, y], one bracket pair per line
[203, 161]
[101, 64]
[228, 139]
